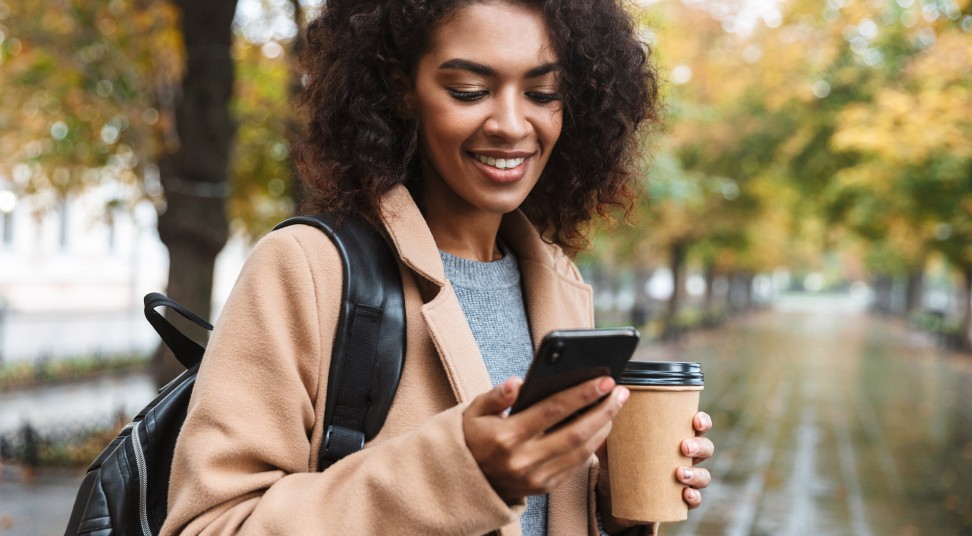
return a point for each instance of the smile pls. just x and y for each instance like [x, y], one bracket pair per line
[499, 163]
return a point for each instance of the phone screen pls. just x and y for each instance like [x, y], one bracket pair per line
[569, 357]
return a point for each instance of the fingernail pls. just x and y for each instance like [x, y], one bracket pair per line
[706, 420]
[691, 448]
[605, 385]
[623, 395]
[508, 386]
[686, 473]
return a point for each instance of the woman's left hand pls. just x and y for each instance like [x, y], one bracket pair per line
[699, 449]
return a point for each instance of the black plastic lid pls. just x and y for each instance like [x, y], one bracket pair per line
[662, 373]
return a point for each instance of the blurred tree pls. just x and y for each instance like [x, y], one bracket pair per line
[265, 187]
[195, 165]
[261, 171]
[811, 127]
[79, 85]
[721, 140]
[917, 140]
[122, 92]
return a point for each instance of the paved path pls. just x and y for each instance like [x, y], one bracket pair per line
[39, 506]
[833, 424]
[827, 423]
[73, 404]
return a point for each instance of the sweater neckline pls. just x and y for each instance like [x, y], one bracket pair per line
[468, 273]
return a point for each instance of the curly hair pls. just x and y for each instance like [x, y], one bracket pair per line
[358, 144]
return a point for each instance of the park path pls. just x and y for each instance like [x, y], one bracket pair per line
[828, 422]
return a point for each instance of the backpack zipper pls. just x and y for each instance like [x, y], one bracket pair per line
[142, 481]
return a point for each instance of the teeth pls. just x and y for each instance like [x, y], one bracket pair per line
[500, 163]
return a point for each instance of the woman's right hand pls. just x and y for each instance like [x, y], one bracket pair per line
[514, 452]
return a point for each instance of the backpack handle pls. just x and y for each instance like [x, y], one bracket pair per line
[186, 350]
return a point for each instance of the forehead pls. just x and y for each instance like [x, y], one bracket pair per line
[494, 33]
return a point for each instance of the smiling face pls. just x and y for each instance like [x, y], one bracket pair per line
[487, 98]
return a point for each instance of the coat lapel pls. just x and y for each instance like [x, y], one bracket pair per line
[555, 299]
[456, 345]
[446, 322]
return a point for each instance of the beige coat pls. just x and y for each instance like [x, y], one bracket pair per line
[246, 459]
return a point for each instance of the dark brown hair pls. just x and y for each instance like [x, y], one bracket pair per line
[358, 145]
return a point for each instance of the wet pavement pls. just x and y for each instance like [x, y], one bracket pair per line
[828, 422]
[36, 505]
[831, 423]
[75, 404]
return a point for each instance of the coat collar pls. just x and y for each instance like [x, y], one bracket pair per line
[416, 246]
[555, 297]
[554, 294]
[411, 236]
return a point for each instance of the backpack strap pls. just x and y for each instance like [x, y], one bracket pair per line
[369, 347]
[186, 350]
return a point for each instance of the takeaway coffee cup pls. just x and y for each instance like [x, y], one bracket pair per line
[644, 447]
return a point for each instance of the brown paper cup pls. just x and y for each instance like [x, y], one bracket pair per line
[644, 452]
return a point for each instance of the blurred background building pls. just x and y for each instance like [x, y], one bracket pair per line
[72, 279]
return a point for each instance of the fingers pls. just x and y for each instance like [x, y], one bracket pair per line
[520, 454]
[572, 443]
[590, 429]
[496, 400]
[552, 410]
[695, 477]
[702, 423]
[698, 448]
[692, 497]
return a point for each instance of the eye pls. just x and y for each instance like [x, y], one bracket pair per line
[541, 97]
[467, 96]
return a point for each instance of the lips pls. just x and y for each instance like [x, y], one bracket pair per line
[499, 163]
[502, 167]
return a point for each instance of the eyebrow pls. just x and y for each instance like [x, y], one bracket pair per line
[483, 70]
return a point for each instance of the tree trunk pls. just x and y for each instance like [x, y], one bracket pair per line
[735, 298]
[677, 266]
[641, 312]
[882, 294]
[966, 333]
[709, 300]
[913, 291]
[195, 175]
[747, 290]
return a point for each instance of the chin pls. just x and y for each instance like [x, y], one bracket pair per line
[502, 205]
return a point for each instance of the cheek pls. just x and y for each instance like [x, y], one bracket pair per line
[551, 131]
[446, 129]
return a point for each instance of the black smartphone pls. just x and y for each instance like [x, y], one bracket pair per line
[569, 357]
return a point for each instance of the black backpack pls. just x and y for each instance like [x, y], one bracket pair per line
[125, 489]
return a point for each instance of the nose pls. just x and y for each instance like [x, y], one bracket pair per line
[507, 119]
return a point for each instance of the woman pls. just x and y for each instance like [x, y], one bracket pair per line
[437, 120]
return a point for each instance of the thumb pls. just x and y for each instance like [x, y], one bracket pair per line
[497, 399]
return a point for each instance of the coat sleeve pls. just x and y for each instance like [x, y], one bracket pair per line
[243, 457]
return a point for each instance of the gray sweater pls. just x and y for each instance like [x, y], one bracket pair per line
[492, 300]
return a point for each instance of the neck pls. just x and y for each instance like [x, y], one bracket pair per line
[472, 237]
[461, 231]
[458, 227]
